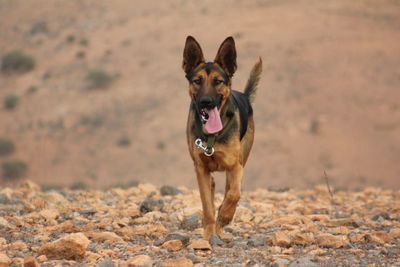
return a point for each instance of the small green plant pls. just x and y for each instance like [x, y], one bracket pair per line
[70, 38]
[14, 169]
[99, 79]
[17, 61]
[80, 54]
[7, 147]
[32, 89]
[84, 42]
[123, 141]
[11, 101]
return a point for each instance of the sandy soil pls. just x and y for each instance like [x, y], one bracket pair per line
[328, 98]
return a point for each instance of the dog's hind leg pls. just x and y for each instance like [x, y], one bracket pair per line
[207, 188]
[232, 196]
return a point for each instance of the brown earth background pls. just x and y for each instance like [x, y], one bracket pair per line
[328, 99]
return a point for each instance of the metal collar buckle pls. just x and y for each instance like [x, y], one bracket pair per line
[208, 152]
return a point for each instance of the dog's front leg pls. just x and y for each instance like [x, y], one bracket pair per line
[206, 186]
[232, 196]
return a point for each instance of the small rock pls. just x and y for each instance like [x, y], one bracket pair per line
[280, 238]
[49, 214]
[172, 245]
[200, 244]
[153, 230]
[54, 197]
[4, 260]
[191, 222]
[150, 204]
[167, 190]
[226, 237]
[280, 262]
[42, 258]
[303, 238]
[179, 262]
[279, 189]
[30, 262]
[106, 237]
[72, 246]
[174, 236]
[378, 238]
[139, 260]
[256, 242]
[331, 241]
[133, 211]
[384, 215]
[88, 212]
[5, 199]
[18, 245]
[107, 262]
[215, 241]
[395, 233]
[305, 261]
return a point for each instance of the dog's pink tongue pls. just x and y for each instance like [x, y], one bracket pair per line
[214, 124]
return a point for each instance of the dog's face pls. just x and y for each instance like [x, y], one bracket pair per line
[209, 82]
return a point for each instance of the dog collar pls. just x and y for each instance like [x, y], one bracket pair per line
[210, 139]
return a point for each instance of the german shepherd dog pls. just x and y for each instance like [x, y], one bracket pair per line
[220, 127]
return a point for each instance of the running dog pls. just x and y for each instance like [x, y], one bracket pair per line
[220, 127]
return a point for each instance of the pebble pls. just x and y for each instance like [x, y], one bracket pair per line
[281, 239]
[172, 245]
[305, 261]
[4, 260]
[139, 260]
[175, 236]
[331, 241]
[168, 190]
[105, 237]
[215, 241]
[200, 244]
[150, 204]
[30, 262]
[72, 246]
[191, 222]
[178, 262]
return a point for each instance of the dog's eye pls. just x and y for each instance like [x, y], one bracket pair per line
[197, 81]
[218, 82]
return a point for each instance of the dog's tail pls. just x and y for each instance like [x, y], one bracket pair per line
[251, 86]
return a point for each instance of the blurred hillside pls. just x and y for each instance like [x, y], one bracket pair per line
[106, 100]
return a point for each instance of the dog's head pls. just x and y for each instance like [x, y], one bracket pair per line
[209, 82]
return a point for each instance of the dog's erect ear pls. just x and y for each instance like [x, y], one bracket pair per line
[192, 55]
[226, 56]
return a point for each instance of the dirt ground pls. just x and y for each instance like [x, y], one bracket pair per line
[328, 98]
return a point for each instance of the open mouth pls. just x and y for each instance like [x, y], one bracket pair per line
[211, 120]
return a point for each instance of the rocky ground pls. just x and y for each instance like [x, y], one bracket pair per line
[152, 226]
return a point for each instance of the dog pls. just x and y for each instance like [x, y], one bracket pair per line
[220, 127]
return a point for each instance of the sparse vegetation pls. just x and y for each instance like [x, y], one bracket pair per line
[161, 145]
[32, 89]
[79, 185]
[99, 79]
[84, 42]
[7, 147]
[80, 54]
[11, 101]
[70, 38]
[123, 141]
[94, 120]
[14, 169]
[17, 61]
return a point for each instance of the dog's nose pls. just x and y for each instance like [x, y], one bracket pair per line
[206, 101]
